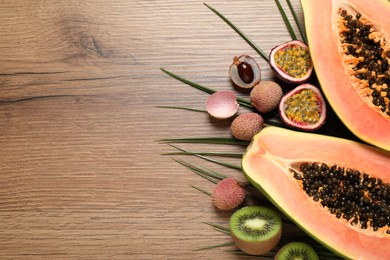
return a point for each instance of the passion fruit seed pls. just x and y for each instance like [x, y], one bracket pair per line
[228, 194]
[294, 60]
[362, 200]
[245, 126]
[245, 72]
[303, 107]
[366, 54]
[266, 96]
[291, 62]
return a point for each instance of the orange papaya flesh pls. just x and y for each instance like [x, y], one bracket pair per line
[276, 154]
[359, 95]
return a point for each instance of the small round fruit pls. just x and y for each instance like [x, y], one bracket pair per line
[222, 104]
[255, 230]
[303, 108]
[296, 250]
[228, 194]
[245, 126]
[244, 72]
[291, 62]
[266, 96]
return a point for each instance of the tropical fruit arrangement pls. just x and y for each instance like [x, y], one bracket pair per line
[330, 180]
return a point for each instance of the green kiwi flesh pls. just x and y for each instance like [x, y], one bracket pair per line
[255, 230]
[296, 251]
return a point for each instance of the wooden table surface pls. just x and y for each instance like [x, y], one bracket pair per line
[82, 170]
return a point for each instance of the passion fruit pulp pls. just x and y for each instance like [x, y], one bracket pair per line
[291, 62]
[303, 108]
[244, 72]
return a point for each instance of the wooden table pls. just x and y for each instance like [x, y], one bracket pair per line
[82, 175]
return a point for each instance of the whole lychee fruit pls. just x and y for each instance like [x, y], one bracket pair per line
[245, 126]
[266, 96]
[228, 194]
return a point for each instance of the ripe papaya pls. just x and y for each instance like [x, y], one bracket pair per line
[336, 190]
[349, 43]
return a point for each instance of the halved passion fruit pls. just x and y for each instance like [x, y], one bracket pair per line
[303, 108]
[291, 62]
[244, 72]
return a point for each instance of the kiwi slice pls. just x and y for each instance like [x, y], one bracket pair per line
[296, 251]
[255, 230]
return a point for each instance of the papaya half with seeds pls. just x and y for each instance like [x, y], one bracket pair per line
[336, 190]
[349, 44]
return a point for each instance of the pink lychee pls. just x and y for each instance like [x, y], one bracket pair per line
[222, 104]
[228, 194]
[245, 126]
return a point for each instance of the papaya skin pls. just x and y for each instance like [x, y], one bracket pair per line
[361, 119]
[267, 163]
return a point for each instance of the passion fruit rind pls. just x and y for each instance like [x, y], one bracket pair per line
[244, 72]
[303, 108]
[291, 62]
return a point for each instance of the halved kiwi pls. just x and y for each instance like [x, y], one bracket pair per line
[255, 230]
[296, 250]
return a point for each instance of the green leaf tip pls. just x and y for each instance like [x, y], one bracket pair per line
[183, 108]
[215, 246]
[201, 190]
[240, 33]
[207, 140]
[244, 102]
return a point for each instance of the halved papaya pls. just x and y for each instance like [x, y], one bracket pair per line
[349, 43]
[326, 185]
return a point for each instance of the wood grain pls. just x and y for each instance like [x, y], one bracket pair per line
[82, 175]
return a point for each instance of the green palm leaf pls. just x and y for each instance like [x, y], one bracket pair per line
[235, 28]
[286, 21]
[241, 101]
[207, 140]
[299, 25]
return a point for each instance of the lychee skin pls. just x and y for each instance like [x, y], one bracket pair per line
[266, 96]
[245, 126]
[222, 104]
[228, 194]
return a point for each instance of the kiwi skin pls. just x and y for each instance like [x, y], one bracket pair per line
[262, 244]
[295, 249]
